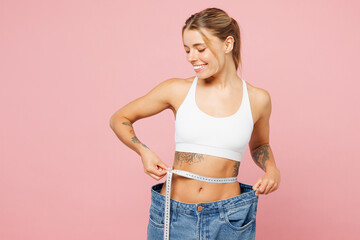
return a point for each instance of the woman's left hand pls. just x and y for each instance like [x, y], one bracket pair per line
[269, 182]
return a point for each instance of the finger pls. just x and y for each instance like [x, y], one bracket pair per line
[273, 188]
[257, 184]
[162, 166]
[260, 189]
[263, 189]
[268, 188]
[155, 176]
[159, 171]
[166, 167]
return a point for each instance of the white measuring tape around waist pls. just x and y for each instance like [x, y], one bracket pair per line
[168, 191]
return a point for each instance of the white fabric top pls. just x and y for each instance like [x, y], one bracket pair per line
[198, 132]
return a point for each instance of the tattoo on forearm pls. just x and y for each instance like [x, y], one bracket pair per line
[236, 169]
[127, 123]
[186, 157]
[134, 138]
[261, 155]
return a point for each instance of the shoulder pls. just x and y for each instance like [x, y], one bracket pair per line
[260, 100]
[176, 82]
[166, 87]
[173, 88]
[258, 94]
[182, 82]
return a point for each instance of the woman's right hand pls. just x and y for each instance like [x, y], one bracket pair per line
[153, 166]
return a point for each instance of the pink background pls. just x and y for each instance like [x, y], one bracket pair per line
[67, 66]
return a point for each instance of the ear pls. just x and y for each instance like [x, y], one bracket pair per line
[229, 44]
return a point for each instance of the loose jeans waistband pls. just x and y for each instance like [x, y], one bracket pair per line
[169, 204]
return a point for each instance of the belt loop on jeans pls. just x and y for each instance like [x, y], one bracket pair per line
[175, 204]
[221, 210]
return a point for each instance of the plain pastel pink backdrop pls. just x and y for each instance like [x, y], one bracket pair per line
[67, 66]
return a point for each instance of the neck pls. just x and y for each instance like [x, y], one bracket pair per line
[224, 78]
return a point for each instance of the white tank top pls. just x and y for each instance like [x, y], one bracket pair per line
[198, 132]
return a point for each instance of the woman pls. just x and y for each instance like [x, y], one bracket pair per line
[216, 115]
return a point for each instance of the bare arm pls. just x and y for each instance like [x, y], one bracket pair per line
[259, 143]
[260, 148]
[155, 101]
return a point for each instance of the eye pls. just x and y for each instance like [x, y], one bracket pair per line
[198, 50]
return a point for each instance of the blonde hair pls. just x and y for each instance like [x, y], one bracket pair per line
[220, 24]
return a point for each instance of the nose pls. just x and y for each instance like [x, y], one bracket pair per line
[192, 56]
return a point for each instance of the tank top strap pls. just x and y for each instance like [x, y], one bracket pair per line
[191, 93]
[246, 91]
[246, 98]
[193, 87]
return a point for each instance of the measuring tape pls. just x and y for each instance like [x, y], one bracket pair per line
[188, 175]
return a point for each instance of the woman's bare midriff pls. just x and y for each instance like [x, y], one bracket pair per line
[192, 191]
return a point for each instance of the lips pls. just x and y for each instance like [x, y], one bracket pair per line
[198, 68]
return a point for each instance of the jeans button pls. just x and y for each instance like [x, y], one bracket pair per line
[200, 208]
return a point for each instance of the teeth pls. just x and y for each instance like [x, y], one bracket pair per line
[201, 66]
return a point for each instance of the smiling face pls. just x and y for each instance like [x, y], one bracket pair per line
[199, 54]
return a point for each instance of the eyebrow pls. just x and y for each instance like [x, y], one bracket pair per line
[195, 44]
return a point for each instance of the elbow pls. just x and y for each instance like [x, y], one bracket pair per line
[112, 121]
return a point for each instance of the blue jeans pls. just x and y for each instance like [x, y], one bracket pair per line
[231, 218]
